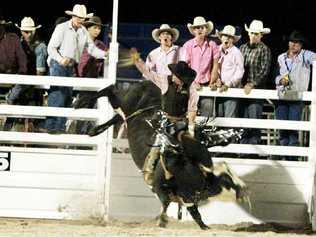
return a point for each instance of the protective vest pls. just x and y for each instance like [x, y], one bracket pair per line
[175, 101]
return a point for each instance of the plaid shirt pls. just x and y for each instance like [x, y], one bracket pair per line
[257, 63]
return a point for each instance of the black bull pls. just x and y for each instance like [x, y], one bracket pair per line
[190, 185]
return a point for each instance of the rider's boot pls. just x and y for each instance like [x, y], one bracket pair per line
[148, 168]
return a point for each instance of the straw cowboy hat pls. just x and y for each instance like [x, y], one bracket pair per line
[79, 11]
[165, 27]
[230, 31]
[200, 21]
[256, 26]
[27, 24]
[94, 20]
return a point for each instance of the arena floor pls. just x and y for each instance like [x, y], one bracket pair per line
[93, 228]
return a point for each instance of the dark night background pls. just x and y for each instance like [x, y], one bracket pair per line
[280, 16]
[282, 19]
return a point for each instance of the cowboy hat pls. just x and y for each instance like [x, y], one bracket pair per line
[229, 31]
[256, 26]
[183, 72]
[200, 21]
[79, 11]
[297, 36]
[94, 20]
[165, 27]
[27, 24]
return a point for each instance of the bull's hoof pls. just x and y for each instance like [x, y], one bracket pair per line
[204, 227]
[162, 221]
[242, 193]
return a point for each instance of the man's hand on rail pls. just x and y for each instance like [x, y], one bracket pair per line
[247, 88]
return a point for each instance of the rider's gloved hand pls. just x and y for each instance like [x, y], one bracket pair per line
[191, 129]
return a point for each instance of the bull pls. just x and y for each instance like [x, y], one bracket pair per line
[189, 184]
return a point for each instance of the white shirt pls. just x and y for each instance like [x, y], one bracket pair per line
[158, 59]
[68, 42]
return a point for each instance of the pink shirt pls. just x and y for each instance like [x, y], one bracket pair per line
[158, 60]
[232, 66]
[162, 82]
[201, 59]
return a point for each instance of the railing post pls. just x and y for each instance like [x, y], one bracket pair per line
[312, 150]
[113, 59]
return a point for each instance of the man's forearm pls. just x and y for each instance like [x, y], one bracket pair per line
[191, 117]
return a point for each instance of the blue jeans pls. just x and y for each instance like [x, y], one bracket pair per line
[206, 106]
[251, 109]
[59, 96]
[227, 108]
[289, 110]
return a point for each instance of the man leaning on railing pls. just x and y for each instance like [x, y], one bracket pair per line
[294, 77]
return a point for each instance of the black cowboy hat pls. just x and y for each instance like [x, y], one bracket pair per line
[183, 72]
[95, 20]
[297, 36]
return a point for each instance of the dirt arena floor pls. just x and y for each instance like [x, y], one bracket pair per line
[54, 228]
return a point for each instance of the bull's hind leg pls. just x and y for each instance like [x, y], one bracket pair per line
[229, 179]
[194, 211]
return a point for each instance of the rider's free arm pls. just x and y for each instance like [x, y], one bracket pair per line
[159, 80]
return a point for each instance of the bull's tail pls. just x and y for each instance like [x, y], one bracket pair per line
[101, 128]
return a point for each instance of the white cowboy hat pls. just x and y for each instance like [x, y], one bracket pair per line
[230, 31]
[79, 11]
[200, 21]
[256, 26]
[165, 27]
[27, 24]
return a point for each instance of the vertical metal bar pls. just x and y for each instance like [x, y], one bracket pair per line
[113, 59]
[312, 155]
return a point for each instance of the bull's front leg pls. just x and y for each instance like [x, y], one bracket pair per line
[165, 201]
[194, 211]
[163, 217]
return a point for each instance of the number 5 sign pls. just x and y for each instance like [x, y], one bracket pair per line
[5, 158]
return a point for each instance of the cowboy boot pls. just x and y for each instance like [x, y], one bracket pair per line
[148, 168]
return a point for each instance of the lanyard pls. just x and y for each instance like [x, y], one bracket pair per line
[286, 64]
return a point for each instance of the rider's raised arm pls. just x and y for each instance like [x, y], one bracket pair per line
[159, 80]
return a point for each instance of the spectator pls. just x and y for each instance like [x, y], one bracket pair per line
[64, 49]
[257, 61]
[34, 48]
[36, 53]
[202, 55]
[167, 53]
[89, 66]
[231, 71]
[12, 58]
[294, 76]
